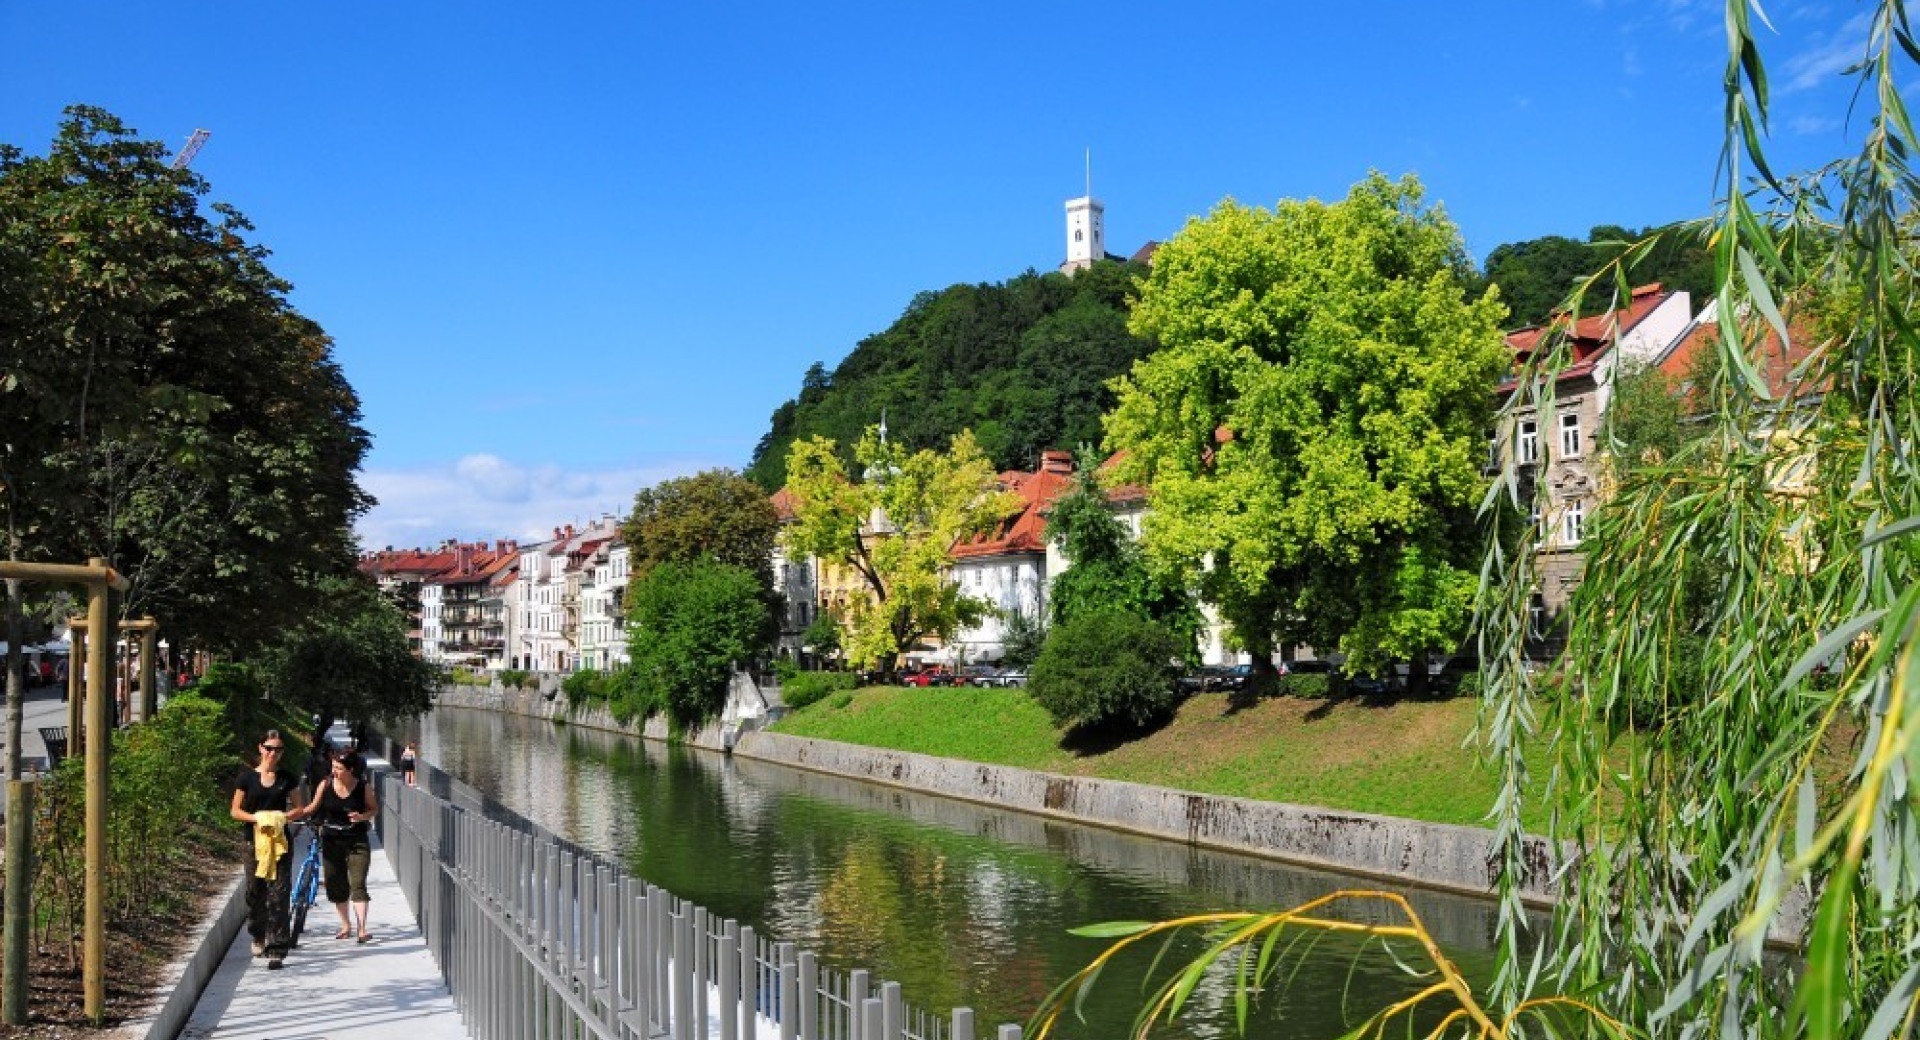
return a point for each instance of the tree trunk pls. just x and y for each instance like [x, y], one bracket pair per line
[1417, 675]
[16, 680]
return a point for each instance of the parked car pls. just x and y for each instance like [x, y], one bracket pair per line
[974, 675]
[927, 677]
[1011, 677]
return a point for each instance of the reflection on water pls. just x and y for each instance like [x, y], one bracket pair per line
[961, 904]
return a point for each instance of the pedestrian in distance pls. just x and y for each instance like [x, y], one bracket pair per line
[408, 758]
[345, 806]
[261, 797]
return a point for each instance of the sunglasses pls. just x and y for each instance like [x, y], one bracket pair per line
[273, 747]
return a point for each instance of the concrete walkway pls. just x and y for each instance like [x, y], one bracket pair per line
[334, 988]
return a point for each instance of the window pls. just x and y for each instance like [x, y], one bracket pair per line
[1079, 235]
[1528, 449]
[1569, 435]
[1573, 521]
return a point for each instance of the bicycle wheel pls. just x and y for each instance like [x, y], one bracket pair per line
[303, 895]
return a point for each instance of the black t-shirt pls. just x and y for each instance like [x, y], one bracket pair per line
[335, 808]
[258, 796]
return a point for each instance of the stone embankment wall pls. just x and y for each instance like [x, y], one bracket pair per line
[542, 703]
[1442, 856]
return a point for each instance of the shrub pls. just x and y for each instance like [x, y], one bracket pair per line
[1105, 666]
[1308, 686]
[805, 688]
[512, 678]
[842, 700]
[583, 688]
[629, 698]
[168, 787]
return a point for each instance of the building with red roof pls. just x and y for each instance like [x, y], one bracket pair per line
[1007, 566]
[1561, 449]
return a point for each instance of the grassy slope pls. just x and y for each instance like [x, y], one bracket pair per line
[1403, 759]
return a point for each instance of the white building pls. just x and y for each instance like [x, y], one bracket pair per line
[431, 631]
[1008, 566]
[798, 583]
[603, 617]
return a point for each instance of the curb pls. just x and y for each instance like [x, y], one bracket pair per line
[193, 969]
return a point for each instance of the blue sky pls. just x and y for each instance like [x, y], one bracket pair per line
[566, 251]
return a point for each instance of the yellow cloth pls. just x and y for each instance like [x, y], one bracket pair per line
[269, 842]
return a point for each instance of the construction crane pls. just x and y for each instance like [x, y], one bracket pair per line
[191, 149]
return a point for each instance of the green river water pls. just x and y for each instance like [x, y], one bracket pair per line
[964, 905]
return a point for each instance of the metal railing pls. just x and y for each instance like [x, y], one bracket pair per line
[538, 938]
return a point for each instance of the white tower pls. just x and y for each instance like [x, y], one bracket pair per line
[1086, 228]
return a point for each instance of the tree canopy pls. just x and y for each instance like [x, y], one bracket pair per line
[691, 622]
[1023, 364]
[351, 659]
[1312, 428]
[894, 527]
[166, 407]
[1106, 570]
[716, 514]
[1536, 275]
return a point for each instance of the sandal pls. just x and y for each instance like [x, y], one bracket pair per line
[343, 933]
[364, 938]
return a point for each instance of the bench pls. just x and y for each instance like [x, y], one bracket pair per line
[55, 737]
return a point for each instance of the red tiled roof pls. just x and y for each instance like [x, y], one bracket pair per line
[783, 505]
[1591, 336]
[415, 562]
[1025, 531]
[1144, 255]
[1775, 361]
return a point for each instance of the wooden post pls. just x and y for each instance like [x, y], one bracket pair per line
[19, 917]
[149, 669]
[76, 678]
[99, 679]
[101, 581]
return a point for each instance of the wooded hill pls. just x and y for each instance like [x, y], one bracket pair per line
[1025, 363]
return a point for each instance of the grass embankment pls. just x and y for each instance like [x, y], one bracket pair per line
[1404, 758]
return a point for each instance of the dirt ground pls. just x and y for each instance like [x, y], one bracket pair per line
[140, 952]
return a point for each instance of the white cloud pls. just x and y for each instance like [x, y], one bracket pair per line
[1810, 125]
[487, 497]
[1830, 54]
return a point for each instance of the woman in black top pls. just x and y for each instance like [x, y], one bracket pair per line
[267, 787]
[346, 806]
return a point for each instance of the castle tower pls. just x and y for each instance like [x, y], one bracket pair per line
[1086, 228]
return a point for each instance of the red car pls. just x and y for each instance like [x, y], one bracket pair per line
[928, 677]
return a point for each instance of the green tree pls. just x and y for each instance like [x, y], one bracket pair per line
[690, 624]
[1106, 571]
[349, 659]
[715, 514]
[894, 527]
[1312, 430]
[166, 408]
[1103, 666]
[822, 635]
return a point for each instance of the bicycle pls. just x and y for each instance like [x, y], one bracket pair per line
[306, 880]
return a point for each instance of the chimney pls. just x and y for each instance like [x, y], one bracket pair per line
[569, 530]
[1056, 462]
[556, 534]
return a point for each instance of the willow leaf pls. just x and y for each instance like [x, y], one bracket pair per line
[1111, 929]
[1898, 1006]
[1824, 650]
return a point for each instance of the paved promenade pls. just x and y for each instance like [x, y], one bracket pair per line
[335, 988]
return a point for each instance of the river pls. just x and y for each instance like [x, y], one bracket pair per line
[963, 905]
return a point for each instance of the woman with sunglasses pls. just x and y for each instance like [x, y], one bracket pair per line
[267, 788]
